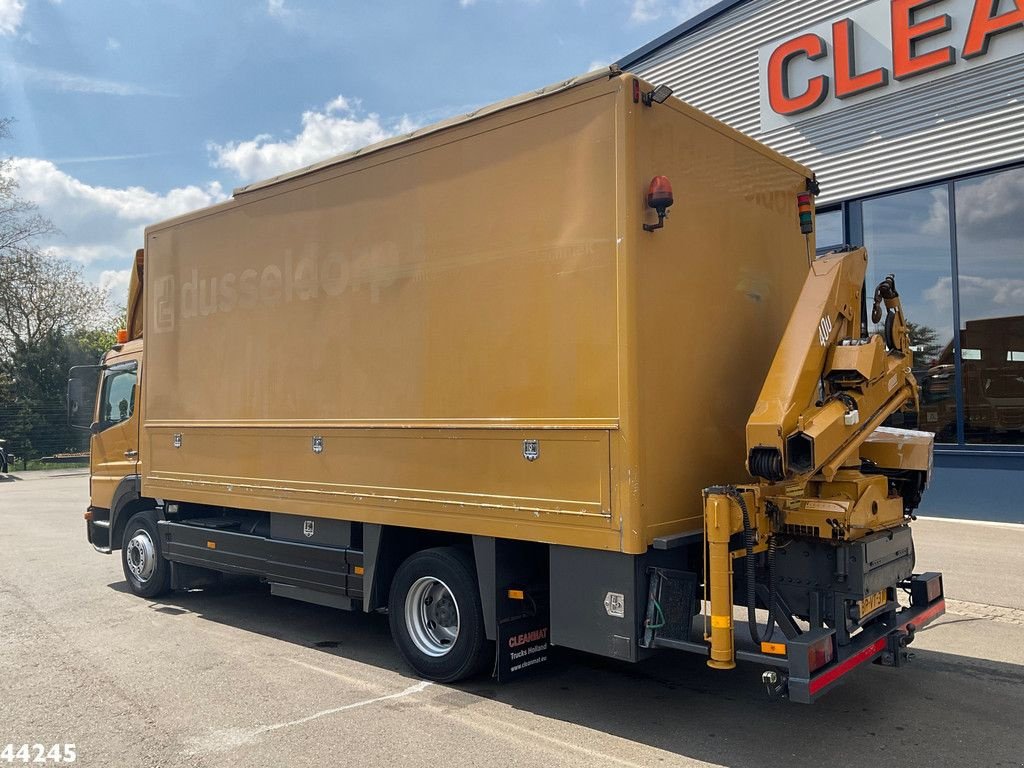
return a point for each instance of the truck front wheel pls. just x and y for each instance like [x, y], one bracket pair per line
[147, 572]
[435, 614]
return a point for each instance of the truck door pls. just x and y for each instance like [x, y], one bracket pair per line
[114, 452]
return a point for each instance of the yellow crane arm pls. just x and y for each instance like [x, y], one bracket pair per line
[828, 388]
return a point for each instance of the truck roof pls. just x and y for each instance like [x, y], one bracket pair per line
[600, 74]
[247, 193]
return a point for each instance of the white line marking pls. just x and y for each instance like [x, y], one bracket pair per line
[412, 689]
[532, 736]
[989, 523]
[228, 739]
[349, 679]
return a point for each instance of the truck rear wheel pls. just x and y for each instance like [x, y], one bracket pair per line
[435, 614]
[147, 572]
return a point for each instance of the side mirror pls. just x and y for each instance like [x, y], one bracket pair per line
[82, 395]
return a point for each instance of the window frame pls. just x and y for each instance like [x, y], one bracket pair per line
[853, 219]
[822, 248]
[110, 373]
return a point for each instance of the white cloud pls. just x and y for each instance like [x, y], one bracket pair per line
[937, 223]
[597, 64]
[997, 293]
[103, 158]
[984, 295]
[115, 282]
[46, 185]
[991, 207]
[11, 12]
[101, 227]
[113, 44]
[340, 104]
[339, 128]
[940, 293]
[647, 11]
[276, 8]
[69, 81]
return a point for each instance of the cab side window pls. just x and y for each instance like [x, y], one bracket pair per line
[117, 403]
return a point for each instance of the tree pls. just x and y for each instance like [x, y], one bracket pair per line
[50, 319]
[32, 392]
[20, 223]
[41, 295]
[925, 341]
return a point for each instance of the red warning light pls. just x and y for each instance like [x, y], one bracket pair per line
[659, 197]
[659, 194]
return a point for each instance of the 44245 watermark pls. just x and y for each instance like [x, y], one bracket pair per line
[37, 753]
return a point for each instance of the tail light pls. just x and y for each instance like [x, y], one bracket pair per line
[820, 653]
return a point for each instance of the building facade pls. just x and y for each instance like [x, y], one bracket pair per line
[911, 113]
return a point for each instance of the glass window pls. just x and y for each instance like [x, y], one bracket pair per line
[908, 234]
[118, 401]
[829, 229]
[990, 257]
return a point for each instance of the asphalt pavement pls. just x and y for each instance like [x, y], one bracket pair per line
[235, 676]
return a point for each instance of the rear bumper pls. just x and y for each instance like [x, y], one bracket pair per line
[882, 642]
[795, 674]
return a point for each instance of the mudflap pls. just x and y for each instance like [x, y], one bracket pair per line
[524, 639]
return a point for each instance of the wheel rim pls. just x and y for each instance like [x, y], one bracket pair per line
[432, 616]
[141, 556]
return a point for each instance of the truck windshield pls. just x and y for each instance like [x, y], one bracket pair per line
[117, 402]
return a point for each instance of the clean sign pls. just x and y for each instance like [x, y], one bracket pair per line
[880, 48]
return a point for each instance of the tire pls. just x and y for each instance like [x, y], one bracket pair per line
[435, 615]
[147, 572]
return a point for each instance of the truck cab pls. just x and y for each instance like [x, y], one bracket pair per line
[106, 400]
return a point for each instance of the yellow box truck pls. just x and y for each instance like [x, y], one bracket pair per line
[478, 377]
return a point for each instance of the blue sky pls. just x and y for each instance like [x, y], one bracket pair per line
[129, 112]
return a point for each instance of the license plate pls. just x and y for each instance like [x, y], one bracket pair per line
[872, 603]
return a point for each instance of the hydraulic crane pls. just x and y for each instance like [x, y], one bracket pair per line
[835, 490]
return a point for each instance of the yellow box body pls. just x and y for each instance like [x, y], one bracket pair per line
[424, 307]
